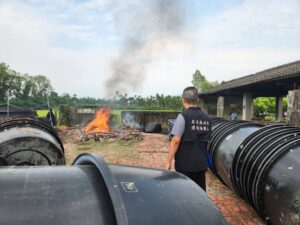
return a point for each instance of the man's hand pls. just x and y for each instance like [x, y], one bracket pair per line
[172, 150]
[168, 165]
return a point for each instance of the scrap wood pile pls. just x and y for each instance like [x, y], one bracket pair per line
[75, 135]
[112, 136]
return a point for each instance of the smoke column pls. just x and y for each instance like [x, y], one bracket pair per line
[145, 27]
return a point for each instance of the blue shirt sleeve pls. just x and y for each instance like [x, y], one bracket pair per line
[179, 126]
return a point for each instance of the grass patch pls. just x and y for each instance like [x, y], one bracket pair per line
[43, 113]
[112, 152]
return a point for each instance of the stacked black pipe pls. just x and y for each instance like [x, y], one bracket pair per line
[262, 164]
[26, 141]
[92, 192]
[89, 191]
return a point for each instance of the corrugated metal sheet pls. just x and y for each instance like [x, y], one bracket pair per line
[279, 72]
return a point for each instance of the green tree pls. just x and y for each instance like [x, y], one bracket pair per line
[285, 104]
[27, 87]
[201, 83]
[263, 106]
[41, 86]
[6, 79]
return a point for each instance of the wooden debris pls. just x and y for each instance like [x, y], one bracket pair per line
[123, 135]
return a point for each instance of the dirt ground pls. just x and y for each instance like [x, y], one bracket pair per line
[152, 153]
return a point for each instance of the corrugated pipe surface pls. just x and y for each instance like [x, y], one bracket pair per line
[262, 164]
[26, 141]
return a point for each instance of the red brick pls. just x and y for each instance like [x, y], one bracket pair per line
[245, 209]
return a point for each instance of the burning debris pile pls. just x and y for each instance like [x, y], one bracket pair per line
[100, 124]
[99, 129]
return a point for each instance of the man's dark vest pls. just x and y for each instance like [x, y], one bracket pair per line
[191, 156]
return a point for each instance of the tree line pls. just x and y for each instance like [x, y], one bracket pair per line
[24, 89]
[31, 91]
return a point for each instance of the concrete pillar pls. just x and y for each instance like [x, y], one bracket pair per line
[293, 113]
[220, 106]
[247, 106]
[279, 108]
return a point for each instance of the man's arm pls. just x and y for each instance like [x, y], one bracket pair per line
[177, 132]
[172, 150]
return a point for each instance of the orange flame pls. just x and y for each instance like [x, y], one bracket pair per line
[100, 123]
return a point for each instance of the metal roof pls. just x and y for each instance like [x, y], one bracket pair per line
[276, 73]
[14, 109]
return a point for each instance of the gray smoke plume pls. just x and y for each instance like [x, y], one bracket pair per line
[130, 120]
[146, 26]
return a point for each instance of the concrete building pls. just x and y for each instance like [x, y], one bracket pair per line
[238, 94]
[81, 115]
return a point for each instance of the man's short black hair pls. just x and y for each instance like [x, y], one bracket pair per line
[190, 95]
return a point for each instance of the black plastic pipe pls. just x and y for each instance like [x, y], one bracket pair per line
[262, 165]
[93, 193]
[226, 138]
[26, 141]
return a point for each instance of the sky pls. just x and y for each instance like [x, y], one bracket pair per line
[97, 47]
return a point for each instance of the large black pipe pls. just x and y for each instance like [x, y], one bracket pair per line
[233, 132]
[262, 165]
[93, 193]
[26, 141]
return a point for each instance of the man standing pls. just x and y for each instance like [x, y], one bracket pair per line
[191, 133]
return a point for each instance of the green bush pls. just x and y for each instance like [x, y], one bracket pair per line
[115, 120]
[64, 118]
[265, 108]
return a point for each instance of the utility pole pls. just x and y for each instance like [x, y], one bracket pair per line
[49, 109]
[8, 99]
